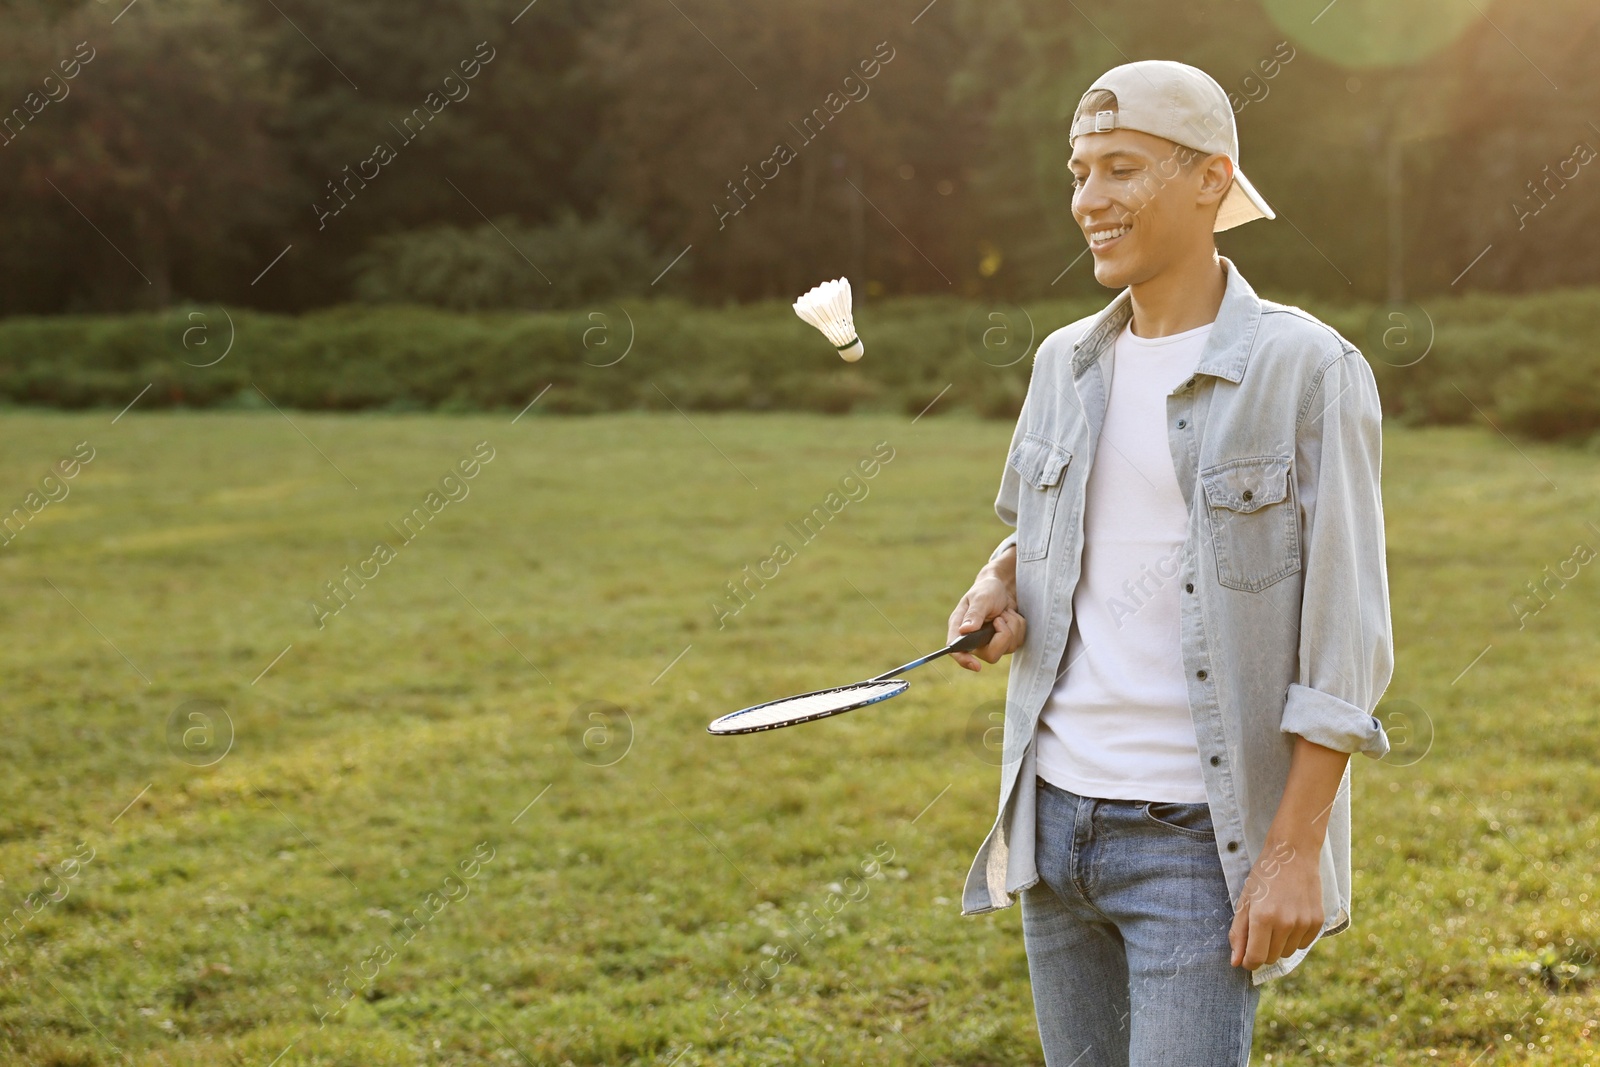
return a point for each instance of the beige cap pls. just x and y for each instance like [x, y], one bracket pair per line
[1185, 105]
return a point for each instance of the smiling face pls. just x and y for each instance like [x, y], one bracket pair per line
[1143, 202]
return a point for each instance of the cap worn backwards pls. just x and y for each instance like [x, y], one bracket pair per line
[1182, 104]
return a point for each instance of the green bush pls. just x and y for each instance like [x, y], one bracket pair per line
[1554, 400]
[506, 265]
[1525, 363]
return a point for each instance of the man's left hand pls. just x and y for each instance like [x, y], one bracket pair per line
[1281, 910]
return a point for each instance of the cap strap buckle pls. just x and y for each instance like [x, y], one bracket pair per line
[1105, 121]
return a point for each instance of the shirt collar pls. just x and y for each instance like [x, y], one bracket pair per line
[1227, 350]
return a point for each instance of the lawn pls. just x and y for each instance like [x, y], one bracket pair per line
[467, 812]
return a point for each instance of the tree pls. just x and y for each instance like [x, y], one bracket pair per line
[788, 144]
[158, 140]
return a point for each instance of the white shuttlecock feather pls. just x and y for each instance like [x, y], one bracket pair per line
[827, 307]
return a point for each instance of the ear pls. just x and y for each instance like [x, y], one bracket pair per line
[1216, 176]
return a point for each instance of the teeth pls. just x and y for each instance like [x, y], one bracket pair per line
[1102, 236]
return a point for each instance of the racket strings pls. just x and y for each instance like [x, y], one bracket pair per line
[810, 705]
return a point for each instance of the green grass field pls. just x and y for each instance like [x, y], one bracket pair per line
[475, 816]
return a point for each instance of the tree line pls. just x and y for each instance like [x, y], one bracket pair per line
[476, 154]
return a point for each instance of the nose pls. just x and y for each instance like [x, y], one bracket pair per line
[1089, 200]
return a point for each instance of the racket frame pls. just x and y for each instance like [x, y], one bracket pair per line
[733, 716]
[966, 643]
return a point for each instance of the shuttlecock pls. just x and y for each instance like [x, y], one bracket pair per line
[827, 307]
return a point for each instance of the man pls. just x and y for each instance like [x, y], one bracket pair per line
[1197, 599]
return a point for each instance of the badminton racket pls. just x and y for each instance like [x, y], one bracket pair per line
[808, 707]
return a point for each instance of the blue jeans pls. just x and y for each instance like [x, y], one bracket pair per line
[1127, 937]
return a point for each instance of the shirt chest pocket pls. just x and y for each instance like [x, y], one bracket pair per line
[1041, 465]
[1255, 531]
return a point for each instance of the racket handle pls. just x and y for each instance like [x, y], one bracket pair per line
[976, 639]
[966, 643]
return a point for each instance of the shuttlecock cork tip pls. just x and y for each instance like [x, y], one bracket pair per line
[827, 307]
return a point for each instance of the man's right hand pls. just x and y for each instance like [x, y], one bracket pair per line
[992, 598]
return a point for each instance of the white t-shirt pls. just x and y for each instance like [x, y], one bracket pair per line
[1117, 724]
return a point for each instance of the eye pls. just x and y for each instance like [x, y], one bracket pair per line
[1123, 173]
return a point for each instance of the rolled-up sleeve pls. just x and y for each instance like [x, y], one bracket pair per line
[1346, 642]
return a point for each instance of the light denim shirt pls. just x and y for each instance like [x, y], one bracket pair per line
[1276, 441]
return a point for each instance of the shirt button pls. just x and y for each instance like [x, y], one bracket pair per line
[1233, 846]
[1188, 587]
[1215, 760]
[1247, 494]
[1182, 423]
[1199, 674]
